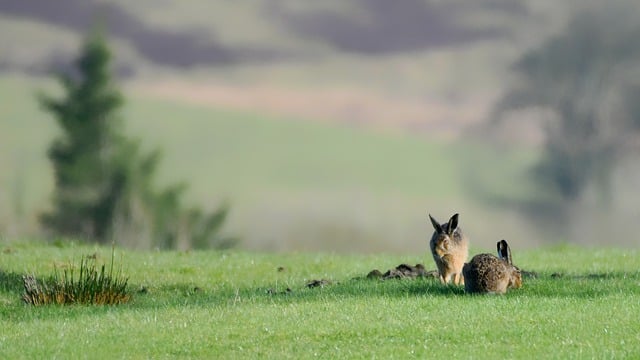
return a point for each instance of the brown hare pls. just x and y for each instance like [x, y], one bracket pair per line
[450, 249]
[486, 273]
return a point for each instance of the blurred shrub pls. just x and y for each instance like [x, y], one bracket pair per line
[104, 186]
[582, 76]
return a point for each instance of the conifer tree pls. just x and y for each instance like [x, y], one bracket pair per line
[83, 155]
[104, 184]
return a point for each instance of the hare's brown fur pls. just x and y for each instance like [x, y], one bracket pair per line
[486, 273]
[450, 249]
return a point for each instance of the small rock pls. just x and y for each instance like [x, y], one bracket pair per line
[270, 291]
[406, 271]
[316, 283]
[403, 271]
[394, 274]
[431, 274]
[374, 274]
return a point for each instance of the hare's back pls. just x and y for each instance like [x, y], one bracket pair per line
[485, 263]
[485, 272]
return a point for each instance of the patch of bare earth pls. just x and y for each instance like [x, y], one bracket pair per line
[435, 116]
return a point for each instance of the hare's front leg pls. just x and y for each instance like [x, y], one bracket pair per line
[447, 277]
[442, 279]
[458, 279]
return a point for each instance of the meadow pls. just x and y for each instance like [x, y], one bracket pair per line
[319, 190]
[235, 304]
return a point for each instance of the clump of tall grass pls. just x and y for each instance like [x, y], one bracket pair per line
[88, 285]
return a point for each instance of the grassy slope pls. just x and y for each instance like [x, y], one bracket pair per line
[291, 184]
[280, 175]
[25, 177]
[591, 311]
[255, 152]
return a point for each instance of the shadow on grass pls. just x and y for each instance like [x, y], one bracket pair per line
[188, 294]
[10, 282]
[629, 275]
[588, 285]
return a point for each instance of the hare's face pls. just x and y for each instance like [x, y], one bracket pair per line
[443, 244]
[515, 281]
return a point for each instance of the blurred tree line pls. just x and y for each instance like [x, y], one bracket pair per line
[587, 78]
[104, 182]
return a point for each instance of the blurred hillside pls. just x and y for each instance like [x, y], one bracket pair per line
[429, 66]
[330, 125]
[197, 33]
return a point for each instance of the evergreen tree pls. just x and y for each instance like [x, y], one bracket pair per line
[83, 156]
[103, 182]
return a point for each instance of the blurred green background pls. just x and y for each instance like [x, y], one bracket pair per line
[333, 126]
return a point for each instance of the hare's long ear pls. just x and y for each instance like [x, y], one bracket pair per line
[453, 223]
[504, 252]
[436, 225]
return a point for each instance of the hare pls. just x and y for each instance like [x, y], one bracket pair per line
[486, 273]
[450, 249]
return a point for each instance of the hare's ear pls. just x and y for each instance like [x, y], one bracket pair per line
[453, 223]
[504, 252]
[436, 225]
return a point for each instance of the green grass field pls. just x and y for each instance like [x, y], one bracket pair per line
[218, 305]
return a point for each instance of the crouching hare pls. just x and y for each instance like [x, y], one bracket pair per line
[486, 273]
[450, 249]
